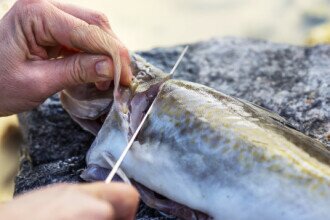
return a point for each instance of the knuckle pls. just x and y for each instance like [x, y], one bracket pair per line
[123, 52]
[27, 3]
[76, 71]
[29, 8]
[100, 19]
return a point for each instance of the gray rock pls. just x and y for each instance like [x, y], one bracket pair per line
[290, 80]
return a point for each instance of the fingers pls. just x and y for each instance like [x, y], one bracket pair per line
[122, 197]
[99, 19]
[90, 16]
[87, 15]
[96, 18]
[53, 26]
[77, 69]
[94, 40]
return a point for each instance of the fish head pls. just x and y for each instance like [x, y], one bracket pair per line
[113, 121]
[89, 106]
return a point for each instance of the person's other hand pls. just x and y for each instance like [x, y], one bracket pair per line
[95, 201]
[47, 46]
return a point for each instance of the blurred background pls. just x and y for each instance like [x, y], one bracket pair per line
[144, 24]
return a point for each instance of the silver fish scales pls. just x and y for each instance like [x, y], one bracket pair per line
[207, 154]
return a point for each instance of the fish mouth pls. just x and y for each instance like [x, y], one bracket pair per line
[139, 105]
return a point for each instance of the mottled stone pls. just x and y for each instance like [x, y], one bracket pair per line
[290, 80]
[55, 147]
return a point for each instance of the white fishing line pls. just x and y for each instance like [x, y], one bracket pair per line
[130, 143]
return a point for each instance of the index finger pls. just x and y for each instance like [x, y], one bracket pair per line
[99, 19]
[85, 14]
[54, 26]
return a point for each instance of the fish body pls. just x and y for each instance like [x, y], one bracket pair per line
[222, 157]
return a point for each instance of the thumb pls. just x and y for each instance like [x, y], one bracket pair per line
[70, 71]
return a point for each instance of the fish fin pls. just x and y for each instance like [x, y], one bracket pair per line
[85, 109]
[265, 112]
[166, 206]
[92, 126]
[119, 172]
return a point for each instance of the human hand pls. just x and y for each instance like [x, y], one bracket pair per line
[47, 46]
[95, 201]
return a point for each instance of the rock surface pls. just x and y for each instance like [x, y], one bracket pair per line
[290, 80]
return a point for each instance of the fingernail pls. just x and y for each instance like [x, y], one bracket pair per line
[103, 69]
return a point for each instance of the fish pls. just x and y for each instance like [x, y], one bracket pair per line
[201, 154]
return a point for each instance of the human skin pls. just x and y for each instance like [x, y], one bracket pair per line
[97, 201]
[39, 56]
